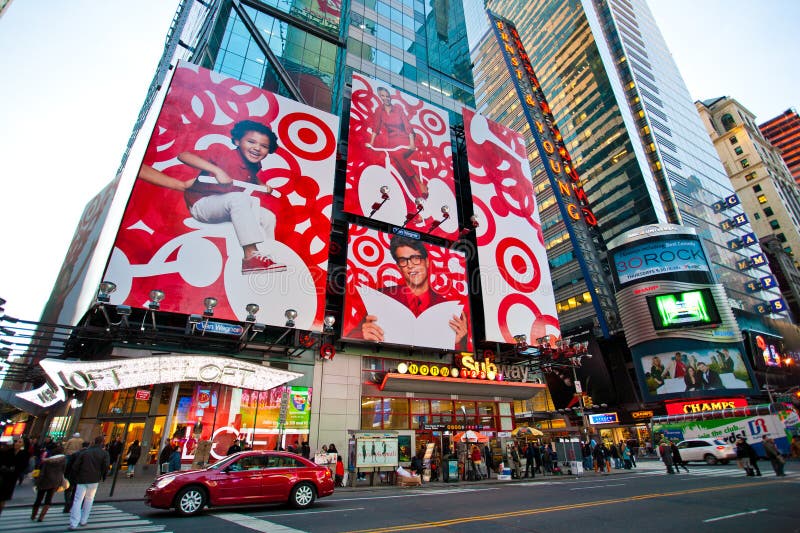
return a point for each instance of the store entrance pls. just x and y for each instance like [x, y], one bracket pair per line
[127, 430]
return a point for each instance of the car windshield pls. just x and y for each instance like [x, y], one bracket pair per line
[219, 464]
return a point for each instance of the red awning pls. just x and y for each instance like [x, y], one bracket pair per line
[468, 387]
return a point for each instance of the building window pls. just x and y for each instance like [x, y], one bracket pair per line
[756, 188]
[745, 163]
[727, 122]
[738, 150]
[762, 198]
[733, 139]
[768, 211]
[757, 216]
[774, 224]
[751, 176]
[781, 237]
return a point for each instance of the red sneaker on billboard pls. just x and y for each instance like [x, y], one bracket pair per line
[260, 263]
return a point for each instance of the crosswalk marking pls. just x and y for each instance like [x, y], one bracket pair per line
[103, 518]
[710, 471]
[256, 524]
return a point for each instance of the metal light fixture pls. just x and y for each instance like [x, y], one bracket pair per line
[328, 323]
[195, 319]
[251, 309]
[290, 315]
[473, 224]
[105, 290]
[156, 296]
[384, 190]
[445, 216]
[420, 203]
[210, 304]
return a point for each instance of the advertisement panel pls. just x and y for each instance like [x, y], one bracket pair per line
[691, 369]
[402, 143]
[402, 291]
[518, 293]
[779, 427]
[233, 201]
[376, 451]
[657, 257]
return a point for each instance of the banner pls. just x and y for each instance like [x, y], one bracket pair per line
[518, 293]
[233, 201]
[399, 142]
[402, 291]
[145, 371]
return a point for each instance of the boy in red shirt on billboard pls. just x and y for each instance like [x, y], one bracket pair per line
[218, 198]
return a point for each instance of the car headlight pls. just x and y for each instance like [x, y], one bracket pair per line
[163, 482]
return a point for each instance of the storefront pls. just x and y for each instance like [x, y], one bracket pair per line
[218, 400]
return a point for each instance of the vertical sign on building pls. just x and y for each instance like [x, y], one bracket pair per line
[569, 194]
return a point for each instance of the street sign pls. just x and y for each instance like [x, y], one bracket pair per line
[221, 328]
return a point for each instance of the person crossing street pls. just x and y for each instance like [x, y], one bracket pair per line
[91, 466]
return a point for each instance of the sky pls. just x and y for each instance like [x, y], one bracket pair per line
[75, 75]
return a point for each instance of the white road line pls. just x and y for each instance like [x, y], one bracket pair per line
[302, 513]
[413, 495]
[599, 486]
[256, 524]
[735, 515]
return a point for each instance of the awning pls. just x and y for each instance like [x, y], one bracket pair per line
[471, 387]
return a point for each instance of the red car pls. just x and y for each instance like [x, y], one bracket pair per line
[245, 478]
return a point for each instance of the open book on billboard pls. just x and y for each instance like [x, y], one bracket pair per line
[430, 329]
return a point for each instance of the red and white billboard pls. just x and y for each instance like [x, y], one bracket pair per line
[399, 142]
[403, 291]
[517, 289]
[232, 201]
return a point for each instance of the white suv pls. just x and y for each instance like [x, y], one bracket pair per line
[706, 450]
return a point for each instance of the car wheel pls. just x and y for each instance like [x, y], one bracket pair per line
[303, 495]
[710, 459]
[190, 500]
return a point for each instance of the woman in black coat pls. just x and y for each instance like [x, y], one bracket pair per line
[51, 476]
[134, 452]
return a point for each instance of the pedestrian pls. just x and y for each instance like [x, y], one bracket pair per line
[69, 474]
[489, 460]
[50, 479]
[530, 460]
[305, 450]
[134, 452]
[515, 461]
[75, 444]
[677, 459]
[743, 456]
[163, 458]
[774, 455]
[8, 473]
[91, 466]
[586, 452]
[626, 456]
[339, 471]
[615, 456]
[21, 459]
[753, 460]
[234, 448]
[665, 451]
[599, 457]
[115, 452]
[332, 448]
[175, 459]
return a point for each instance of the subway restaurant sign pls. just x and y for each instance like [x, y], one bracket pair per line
[466, 368]
[700, 406]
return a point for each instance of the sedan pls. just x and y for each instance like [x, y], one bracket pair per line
[709, 451]
[245, 478]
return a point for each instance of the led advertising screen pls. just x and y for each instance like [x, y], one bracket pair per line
[232, 201]
[517, 288]
[768, 351]
[402, 291]
[399, 160]
[698, 370]
[686, 309]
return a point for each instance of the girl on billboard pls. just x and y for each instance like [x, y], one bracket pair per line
[397, 140]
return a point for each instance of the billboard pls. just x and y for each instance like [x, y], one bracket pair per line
[232, 201]
[658, 257]
[399, 142]
[402, 291]
[518, 293]
[685, 309]
[693, 369]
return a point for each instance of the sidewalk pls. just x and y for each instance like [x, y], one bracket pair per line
[134, 489]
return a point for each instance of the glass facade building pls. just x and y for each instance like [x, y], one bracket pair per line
[630, 126]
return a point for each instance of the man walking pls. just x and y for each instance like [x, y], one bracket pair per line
[774, 455]
[665, 451]
[90, 467]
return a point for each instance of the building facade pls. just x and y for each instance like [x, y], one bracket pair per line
[783, 132]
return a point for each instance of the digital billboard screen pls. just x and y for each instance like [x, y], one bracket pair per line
[687, 309]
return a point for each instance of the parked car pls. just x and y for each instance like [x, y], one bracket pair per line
[244, 478]
[706, 450]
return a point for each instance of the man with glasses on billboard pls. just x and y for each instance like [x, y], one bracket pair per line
[416, 294]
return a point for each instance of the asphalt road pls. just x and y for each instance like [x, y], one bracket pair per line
[718, 498]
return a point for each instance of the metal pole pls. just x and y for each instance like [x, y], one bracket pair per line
[173, 401]
[584, 417]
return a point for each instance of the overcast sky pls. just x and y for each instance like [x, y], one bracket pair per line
[75, 73]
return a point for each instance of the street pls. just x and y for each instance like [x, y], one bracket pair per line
[709, 498]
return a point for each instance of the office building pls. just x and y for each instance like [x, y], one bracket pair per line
[783, 132]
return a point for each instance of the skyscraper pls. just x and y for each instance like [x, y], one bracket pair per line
[783, 131]
[631, 128]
